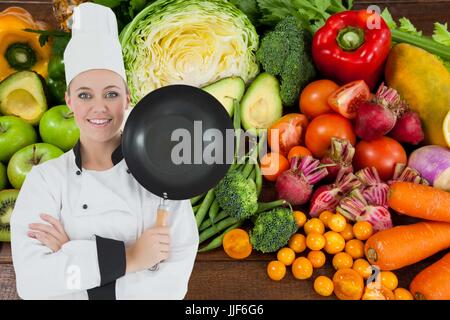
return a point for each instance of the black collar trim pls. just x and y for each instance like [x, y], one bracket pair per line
[116, 156]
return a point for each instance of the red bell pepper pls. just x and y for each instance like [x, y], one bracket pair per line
[352, 45]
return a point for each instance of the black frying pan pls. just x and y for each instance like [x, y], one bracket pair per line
[147, 146]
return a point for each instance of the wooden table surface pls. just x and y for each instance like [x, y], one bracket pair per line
[215, 276]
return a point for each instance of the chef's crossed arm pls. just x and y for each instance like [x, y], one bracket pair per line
[170, 281]
[40, 272]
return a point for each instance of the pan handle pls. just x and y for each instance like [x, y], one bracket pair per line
[161, 221]
[162, 216]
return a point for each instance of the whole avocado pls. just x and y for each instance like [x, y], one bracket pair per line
[423, 81]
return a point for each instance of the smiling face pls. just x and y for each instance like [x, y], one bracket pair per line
[98, 98]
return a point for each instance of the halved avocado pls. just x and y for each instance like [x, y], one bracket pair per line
[261, 105]
[22, 95]
[227, 89]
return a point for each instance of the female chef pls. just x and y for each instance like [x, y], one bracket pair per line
[82, 226]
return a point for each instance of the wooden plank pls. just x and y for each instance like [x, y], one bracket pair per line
[242, 280]
[5, 253]
[7, 283]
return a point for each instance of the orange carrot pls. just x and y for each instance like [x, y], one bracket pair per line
[420, 201]
[401, 246]
[433, 282]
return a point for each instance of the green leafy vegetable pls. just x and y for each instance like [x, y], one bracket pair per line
[109, 3]
[250, 8]
[310, 14]
[407, 26]
[386, 15]
[275, 10]
[125, 10]
[441, 34]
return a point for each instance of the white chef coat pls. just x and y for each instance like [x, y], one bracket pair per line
[102, 213]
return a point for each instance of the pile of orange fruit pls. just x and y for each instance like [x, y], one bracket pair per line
[334, 236]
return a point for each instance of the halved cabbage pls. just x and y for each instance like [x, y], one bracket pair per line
[187, 42]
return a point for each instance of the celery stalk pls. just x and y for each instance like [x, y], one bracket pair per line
[422, 42]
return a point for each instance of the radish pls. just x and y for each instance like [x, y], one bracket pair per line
[340, 155]
[373, 189]
[406, 174]
[377, 195]
[327, 197]
[376, 118]
[433, 163]
[356, 207]
[295, 185]
[408, 128]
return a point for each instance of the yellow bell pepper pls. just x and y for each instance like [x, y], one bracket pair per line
[19, 49]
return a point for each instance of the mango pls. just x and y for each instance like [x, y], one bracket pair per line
[423, 81]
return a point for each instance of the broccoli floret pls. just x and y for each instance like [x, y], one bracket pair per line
[273, 52]
[273, 229]
[285, 52]
[237, 196]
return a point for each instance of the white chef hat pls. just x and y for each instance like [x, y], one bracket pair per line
[94, 43]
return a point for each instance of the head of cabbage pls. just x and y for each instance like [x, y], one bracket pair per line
[194, 42]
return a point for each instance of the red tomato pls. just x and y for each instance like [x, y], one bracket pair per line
[323, 128]
[272, 165]
[345, 99]
[382, 153]
[314, 98]
[287, 132]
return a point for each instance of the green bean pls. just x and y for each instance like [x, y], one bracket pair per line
[213, 210]
[211, 231]
[244, 158]
[266, 206]
[258, 179]
[195, 208]
[201, 213]
[209, 222]
[217, 242]
[237, 125]
[249, 165]
[196, 199]
[253, 174]
[205, 224]
[253, 154]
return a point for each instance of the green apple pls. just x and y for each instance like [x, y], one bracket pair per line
[15, 134]
[24, 159]
[58, 127]
[3, 177]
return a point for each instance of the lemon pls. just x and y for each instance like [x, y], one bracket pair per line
[446, 128]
